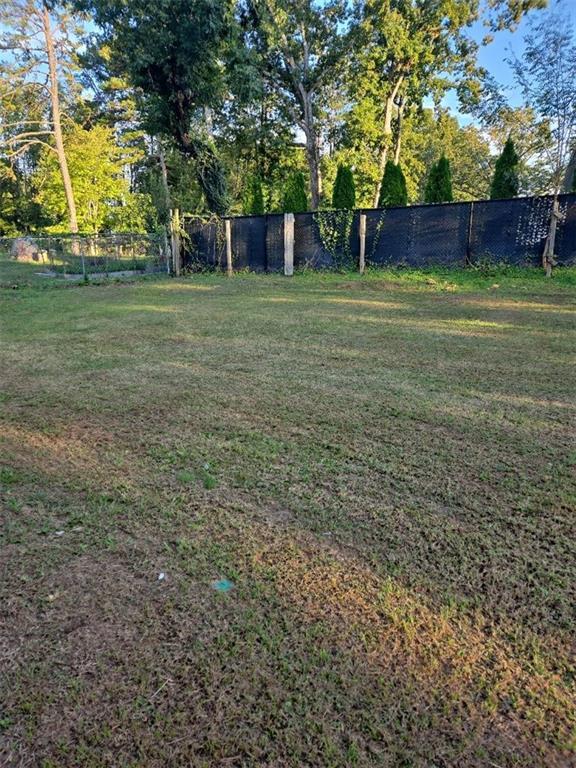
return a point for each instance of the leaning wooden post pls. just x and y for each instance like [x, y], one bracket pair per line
[288, 244]
[362, 233]
[548, 259]
[228, 230]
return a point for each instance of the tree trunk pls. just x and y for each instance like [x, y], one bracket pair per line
[313, 157]
[570, 175]
[57, 122]
[164, 175]
[312, 152]
[388, 112]
[399, 125]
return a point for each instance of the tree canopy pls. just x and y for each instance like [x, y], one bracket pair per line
[232, 106]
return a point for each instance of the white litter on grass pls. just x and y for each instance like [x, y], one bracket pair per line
[58, 533]
[161, 576]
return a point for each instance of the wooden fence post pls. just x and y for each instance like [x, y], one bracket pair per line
[548, 259]
[362, 233]
[468, 254]
[175, 241]
[288, 244]
[228, 230]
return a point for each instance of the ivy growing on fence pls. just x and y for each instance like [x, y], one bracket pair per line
[335, 228]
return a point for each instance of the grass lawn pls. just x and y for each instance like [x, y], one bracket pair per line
[381, 469]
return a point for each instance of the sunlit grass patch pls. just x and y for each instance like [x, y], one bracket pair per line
[379, 469]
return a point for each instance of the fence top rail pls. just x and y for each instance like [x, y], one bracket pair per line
[208, 219]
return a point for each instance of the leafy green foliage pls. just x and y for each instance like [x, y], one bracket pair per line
[103, 199]
[295, 198]
[254, 198]
[301, 55]
[393, 191]
[172, 51]
[506, 182]
[439, 185]
[344, 192]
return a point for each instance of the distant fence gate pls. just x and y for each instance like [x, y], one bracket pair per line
[449, 234]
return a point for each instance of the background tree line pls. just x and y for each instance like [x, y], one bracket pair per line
[113, 112]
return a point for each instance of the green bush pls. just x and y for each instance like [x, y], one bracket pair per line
[506, 183]
[254, 197]
[393, 190]
[439, 184]
[344, 193]
[295, 198]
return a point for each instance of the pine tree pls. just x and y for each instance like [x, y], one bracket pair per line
[295, 200]
[254, 200]
[505, 182]
[439, 184]
[393, 190]
[344, 193]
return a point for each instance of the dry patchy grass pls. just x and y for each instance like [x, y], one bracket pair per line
[384, 470]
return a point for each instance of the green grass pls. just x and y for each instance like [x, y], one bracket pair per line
[382, 467]
[20, 274]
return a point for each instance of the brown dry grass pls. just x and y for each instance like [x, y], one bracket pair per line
[383, 469]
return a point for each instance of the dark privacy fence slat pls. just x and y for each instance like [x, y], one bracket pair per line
[452, 234]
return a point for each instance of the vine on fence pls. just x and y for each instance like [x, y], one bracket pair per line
[335, 228]
[206, 220]
[376, 238]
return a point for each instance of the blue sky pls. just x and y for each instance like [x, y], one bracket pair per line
[493, 56]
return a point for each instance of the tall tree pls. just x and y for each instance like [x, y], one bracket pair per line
[439, 184]
[546, 76]
[344, 193]
[172, 51]
[96, 164]
[570, 175]
[301, 49]
[505, 182]
[254, 199]
[393, 190]
[295, 200]
[408, 48]
[39, 43]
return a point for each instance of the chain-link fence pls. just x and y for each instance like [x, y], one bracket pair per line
[36, 257]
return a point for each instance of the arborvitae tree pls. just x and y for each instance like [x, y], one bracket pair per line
[506, 182]
[295, 200]
[254, 200]
[393, 190]
[344, 193]
[439, 184]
